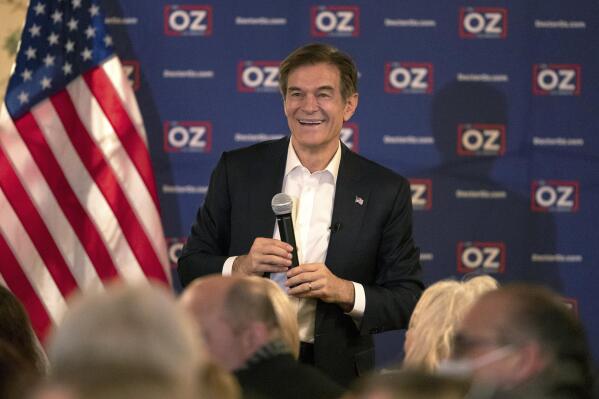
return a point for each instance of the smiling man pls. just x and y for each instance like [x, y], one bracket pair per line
[359, 272]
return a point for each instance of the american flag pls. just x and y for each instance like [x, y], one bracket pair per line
[78, 202]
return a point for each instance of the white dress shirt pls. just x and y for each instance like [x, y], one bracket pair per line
[313, 195]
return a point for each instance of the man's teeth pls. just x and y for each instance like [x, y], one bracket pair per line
[310, 122]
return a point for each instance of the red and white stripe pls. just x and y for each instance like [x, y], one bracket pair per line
[78, 201]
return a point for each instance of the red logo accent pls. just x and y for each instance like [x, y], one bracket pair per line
[556, 79]
[188, 20]
[481, 139]
[409, 77]
[554, 196]
[258, 76]
[187, 136]
[483, 23]
[490, 256]
[335, 21]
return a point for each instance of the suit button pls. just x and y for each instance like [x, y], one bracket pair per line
[375, 330]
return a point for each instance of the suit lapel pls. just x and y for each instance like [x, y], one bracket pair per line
[267, 181]
[349, 208]
[352, 193]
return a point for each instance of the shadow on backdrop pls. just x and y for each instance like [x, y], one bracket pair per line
[456, 218]
[160, 161]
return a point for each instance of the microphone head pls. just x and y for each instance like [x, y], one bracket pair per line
[281, 204]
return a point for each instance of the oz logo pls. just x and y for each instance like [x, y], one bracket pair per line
[174, 248]
[483, 23]
[188, 20]
[489, 256]
[338, 21]
[552, 79]
[408, 77]
[554, 196]
[478, 139]
[187, 136]
[131, 70]
[422, 194]
[350, 136]
[258, 76]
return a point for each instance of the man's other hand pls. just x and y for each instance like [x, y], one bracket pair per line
[315, 280]
[266, 255]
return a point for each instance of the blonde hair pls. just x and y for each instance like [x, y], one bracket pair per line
[436, 316]
[217, 383]
[286, 315]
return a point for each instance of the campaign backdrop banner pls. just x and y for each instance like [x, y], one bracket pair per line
[489, 108]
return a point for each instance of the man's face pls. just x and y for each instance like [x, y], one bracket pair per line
[314, 107]
[478, 341]
[224, 345]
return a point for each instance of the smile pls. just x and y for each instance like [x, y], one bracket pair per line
[310, 122]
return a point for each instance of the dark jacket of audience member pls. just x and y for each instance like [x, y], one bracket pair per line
[281, 376]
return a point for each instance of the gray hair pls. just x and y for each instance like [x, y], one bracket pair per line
[128, 342]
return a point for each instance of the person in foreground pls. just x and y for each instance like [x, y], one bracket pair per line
[359, 271]
[442, 306]
[243, 334]
[125, 343]
[523, 341]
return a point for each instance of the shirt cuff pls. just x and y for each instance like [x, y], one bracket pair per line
[228, 266]
[359, 302]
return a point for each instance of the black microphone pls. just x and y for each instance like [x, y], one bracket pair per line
[282, 204]
[335, 227]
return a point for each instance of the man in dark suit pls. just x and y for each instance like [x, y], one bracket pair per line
[246, 333]
[359, 271]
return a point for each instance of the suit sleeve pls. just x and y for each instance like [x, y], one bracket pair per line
[398, 285]
[206, 248]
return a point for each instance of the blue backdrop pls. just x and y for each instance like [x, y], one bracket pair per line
[488, 107]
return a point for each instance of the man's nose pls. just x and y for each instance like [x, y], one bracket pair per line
[310, 103]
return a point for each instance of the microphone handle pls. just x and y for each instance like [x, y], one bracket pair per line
[285, 224]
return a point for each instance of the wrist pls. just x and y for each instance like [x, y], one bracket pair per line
[237, 268]
[347, 297]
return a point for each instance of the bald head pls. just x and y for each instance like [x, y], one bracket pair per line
[206, 295]
[234, 314]
[526, 331]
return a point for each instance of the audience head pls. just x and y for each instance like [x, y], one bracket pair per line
[235, 314]
[15, 329]
[411, 384]
[521, 334]
[127, 342]
[286, 316]
[441, 307]
[53, 391]
[17, 375]
[319, 53]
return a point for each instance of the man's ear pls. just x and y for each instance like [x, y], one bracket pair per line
[254, 336]
[532, 360]
[350, 107]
